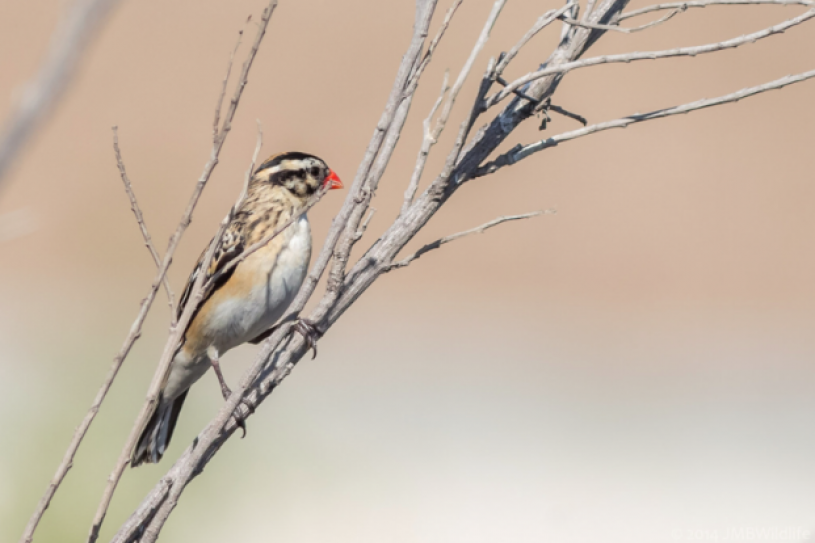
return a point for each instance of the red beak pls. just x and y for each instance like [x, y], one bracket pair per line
[332, 181]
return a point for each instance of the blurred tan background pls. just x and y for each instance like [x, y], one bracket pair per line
[635, 368]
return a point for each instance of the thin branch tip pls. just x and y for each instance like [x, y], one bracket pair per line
[447, 239]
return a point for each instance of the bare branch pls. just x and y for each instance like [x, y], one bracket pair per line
[477, 109]
[705, 3]
[177, 331]
[622, 29]
[468, 65]
[521, 152]
[572, 11]
[134, 205]
[68, 43]
[396, 112]
[219, 104]
[428, 141]
[364, 226]
[543, 21]
[589, 9]
[248, 177]
[447, 239]
[648, 55]
[428, 56]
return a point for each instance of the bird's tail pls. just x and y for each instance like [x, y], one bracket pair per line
[155, 438]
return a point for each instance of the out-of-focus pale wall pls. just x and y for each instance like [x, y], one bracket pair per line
[635, 368]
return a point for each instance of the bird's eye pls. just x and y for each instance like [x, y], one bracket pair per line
[314, 171]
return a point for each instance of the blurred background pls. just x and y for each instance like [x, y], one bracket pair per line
[637, 367]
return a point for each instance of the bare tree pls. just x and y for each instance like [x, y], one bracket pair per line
[477, 138]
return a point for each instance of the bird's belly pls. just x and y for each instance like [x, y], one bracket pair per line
[266, 283]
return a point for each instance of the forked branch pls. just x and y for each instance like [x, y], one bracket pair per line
[134, 206]
[647, 55]
[521, 152]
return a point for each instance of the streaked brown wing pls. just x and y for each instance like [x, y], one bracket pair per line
[232, 245]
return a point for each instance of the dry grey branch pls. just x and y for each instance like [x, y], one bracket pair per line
[39, 96]
[476, 110]
[428, 140]
[428, 56]
[447, 239]
[468, 65]
[364, 226]
[521, 152]
[396, 112]
[543, 21]
[705, 3]
[623, 29]
[177, 331]
[219, 104]
[134, 206]
[648, 55]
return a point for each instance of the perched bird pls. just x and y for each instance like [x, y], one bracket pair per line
[243, 304]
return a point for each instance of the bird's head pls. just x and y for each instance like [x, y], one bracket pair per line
[300, 173]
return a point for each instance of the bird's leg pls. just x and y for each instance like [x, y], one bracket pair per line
[310, 332]
[213, 355]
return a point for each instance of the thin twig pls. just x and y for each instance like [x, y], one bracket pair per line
[134, 205]
[68, 43]
[521, 152]
[428, 140]
[705, 3]
[251, 170]
[431, 48]
[543, 21]
[616, 28]
[468, 65]
[219, 104]
[648, 55]
[177, 332]
[447, 239]
[364, 226]
[566, 113]
[486, 81]
[396, 111]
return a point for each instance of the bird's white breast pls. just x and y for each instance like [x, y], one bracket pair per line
[276, 273]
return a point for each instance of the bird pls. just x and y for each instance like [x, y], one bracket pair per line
[245, 301]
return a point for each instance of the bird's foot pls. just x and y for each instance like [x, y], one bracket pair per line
[240, 420]
[310, 332]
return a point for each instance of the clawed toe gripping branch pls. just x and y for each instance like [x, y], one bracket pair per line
[467, 158]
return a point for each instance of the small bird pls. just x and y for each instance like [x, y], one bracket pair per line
[243, 304]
